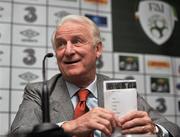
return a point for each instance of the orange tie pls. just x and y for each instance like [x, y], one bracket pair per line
[81, 107]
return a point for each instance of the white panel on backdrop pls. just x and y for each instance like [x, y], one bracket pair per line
[106, 6]
[178, 120]
[4, 100]
[4, 78]
[5, 32]
[29, 35]
[52, 62]
[106, 38]
[176, 66]
[51, 73]
[163, 104]
[5, 12]
[29, 14]
[178, 106]
[171, 118]
[16, 99]
[109, 74]
[28, 57]
[65, 3]
[20, 77]
[31, 1]
[104, 63]
[3, 123]
[12, 117]
[177, 85]
[128, 63]
[157, 64]
[5, 55]
[91, 5]
[50, 32]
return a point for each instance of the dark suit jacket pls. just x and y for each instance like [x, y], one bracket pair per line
[61, 108]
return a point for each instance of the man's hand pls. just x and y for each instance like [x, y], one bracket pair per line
[136, 122]
[96, 119]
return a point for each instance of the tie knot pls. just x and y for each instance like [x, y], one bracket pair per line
[83, 94]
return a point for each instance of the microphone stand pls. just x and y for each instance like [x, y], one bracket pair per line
[47, 129]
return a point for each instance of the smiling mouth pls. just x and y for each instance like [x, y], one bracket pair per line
[71, 62]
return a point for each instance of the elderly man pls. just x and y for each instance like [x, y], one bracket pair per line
[77, 45]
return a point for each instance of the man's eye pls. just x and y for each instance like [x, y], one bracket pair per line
[76, 41]
[60, 43]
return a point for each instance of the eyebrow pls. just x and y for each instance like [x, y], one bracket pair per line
[75, 36]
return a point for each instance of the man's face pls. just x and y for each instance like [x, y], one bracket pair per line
[76, 53]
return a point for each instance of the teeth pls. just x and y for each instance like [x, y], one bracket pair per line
[71, 62]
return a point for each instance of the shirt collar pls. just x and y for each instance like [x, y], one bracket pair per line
[72, 89]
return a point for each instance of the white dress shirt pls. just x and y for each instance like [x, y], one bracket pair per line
[91, 102]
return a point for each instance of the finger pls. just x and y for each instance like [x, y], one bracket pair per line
[108, 115]
[99, 119]
[102, 128]
[137, 130]
[137, 122]
[131, 115]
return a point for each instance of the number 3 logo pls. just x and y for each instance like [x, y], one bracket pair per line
[162, 105]
[31, 16]
[30, 59]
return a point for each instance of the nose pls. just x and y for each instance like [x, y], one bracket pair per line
[69, 49]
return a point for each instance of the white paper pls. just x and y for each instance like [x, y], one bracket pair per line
[120, 96]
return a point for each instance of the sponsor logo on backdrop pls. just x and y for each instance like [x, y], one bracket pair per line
[160, 85]
[178, 86]
[157, 19]
[100, 21]
[31, 15]
[30, 59]
[129, 77]
[1, 9]
[99, 63]
[179, 69]
[61, 14]
[28, 77]
[29, 34]
[158, 64]
[162, 107]
[128, 63]
[1, 53]
[179, 106]
[98, 1]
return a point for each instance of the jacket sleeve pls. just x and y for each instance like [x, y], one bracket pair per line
[158, 118]
[29, 113]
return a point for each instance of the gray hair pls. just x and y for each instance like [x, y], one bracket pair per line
[82, 19]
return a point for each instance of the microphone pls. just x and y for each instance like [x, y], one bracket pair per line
[46, 129]
[45, 92]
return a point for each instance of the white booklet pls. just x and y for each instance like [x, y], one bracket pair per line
[120, 96]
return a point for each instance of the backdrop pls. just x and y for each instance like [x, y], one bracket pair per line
[129, 50]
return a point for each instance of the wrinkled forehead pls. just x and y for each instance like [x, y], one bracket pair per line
[71, 28]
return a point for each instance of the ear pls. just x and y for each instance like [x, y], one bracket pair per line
[99, 49]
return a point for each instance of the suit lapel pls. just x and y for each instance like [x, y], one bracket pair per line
[60, 103]
[100, 91]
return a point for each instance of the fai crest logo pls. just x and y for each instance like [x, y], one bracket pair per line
[157, 19]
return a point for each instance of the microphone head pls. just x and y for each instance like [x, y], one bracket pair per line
[49, 55]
